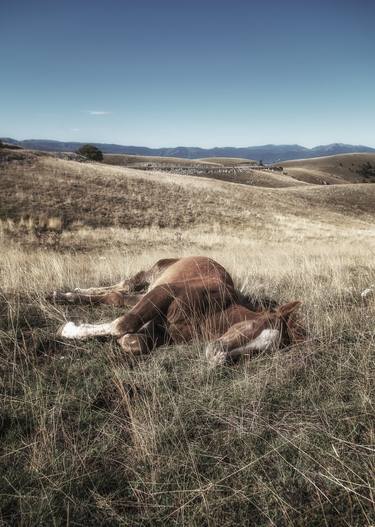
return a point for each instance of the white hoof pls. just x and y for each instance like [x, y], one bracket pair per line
[370, 291]
[70, 297]
[219, 359]
[215, 354]
[70, 331]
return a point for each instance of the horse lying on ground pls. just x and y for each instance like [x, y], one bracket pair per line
[179, 300]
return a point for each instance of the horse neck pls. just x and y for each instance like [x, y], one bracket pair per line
[255, 305]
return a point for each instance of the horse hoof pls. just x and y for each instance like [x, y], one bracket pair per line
[220, 359]
[133, 343]
[58, 297]
[215, 354]
[52, 297]
[68, 331]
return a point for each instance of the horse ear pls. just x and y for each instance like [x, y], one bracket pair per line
[287, 309]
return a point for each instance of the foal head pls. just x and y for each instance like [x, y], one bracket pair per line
[292, 330]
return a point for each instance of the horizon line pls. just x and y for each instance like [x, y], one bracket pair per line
[190, 146]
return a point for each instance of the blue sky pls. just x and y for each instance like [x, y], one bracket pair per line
[188, 72]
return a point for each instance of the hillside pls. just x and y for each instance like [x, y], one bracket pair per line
[234, 170]
[330, 170]
[345, 168]
[134, 161]
[94, 194]
[229, 161]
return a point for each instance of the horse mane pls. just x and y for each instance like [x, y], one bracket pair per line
[257, 304]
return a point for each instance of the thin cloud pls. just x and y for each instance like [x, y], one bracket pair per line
[98, 112]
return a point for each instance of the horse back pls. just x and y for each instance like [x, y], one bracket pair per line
[192, 269]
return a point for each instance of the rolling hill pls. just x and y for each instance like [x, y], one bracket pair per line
[94, 194]
[346, 168]
[339, 169]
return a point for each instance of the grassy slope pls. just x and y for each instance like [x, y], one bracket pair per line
[129, 160]
[333, 170]
[228, 161]
[100, 195]
[91, 437]
[336, 169]
[213, 168]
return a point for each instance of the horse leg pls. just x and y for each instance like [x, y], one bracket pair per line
[111, 298]
[152, 305]
[101, 290]
[242, 338]
[139, 282]
[155, 304]
[135, 284]
[152, 335]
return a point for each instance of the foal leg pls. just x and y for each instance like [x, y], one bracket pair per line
[242, 338]
[101, 290]
[135, 284]
[138, 282]
[151, 306]
[112, 298]
[123, 286]
[152, 335]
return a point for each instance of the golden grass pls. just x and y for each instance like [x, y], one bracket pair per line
[99, 195]
[98, 439]
[92, 437]
[337, 169]
[134, 161]
[228, 161]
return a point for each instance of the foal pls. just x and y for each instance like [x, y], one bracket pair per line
[178, 300]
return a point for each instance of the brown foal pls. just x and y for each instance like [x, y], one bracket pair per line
[179, 300]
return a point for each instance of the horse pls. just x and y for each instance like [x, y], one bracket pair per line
[179, 300]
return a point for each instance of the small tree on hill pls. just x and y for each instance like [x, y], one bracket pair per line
[91, 152]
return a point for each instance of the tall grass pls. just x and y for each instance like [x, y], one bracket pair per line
[93, 437]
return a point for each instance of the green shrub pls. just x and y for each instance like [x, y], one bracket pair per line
[91, 152]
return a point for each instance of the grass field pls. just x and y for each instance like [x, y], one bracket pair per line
[93, 437]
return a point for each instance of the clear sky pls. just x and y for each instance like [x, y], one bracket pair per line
[188, 72]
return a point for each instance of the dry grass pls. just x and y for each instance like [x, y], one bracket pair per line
[98, 195]
[92, 437]
[228, 161]
[132, 161]
[334, 170]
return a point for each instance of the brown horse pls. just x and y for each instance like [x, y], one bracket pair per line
[179, 300]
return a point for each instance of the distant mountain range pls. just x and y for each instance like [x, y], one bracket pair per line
[266, 153]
